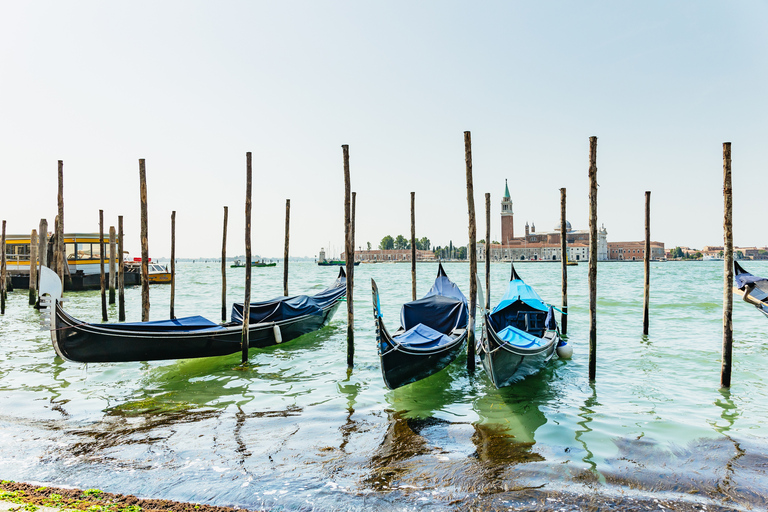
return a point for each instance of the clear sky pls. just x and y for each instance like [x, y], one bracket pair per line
[192, 86]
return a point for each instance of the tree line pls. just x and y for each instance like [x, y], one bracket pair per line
[449, 252]
[400, 243]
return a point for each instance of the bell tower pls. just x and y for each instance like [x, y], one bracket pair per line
[507, 227]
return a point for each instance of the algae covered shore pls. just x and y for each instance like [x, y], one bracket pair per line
[36, 498]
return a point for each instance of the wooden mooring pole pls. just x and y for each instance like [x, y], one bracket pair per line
[564, 262]
[413, 245]
[102, 280]
[2, 271]
[647, 263]
[173, 263]
[33, 268]
[43, 241]
[592, 257]
[349, 257]
[247, 302]
[352, 225]
[725, 370]
[287, 241]
[144, 243]
[61, 258]
[112, 264]
[472, 252]
[120, 271]
[224, 266]
[487, 251]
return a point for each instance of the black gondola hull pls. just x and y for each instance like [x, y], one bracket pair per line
[89, 343]
[400, 366]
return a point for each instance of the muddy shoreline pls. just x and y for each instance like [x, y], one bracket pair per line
[84, 499]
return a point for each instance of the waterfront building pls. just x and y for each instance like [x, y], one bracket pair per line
[632, 251]
[391, 255]
[540, 246]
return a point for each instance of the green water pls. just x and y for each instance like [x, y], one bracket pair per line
[296, 430]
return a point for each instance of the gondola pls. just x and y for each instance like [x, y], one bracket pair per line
[753, 289]
[519, 336]
[431, 335]
[270, 322]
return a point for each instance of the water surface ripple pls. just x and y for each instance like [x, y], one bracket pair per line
[296, 430]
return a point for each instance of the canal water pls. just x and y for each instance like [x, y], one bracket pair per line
[296, 430]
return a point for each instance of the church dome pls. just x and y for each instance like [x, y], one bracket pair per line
[567, 226]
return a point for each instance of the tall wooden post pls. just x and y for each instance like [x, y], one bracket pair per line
[224, 266]
[33, 268]
[61, 258]
[472, 253]
[725, 370]
[112, 264]
[43, 240]
[647, 262]
[592, 257]
[173, 263]
[2, 272]
[120, 271]
[487, 250]
[102, 280]
[564, 261]
[144, 243]
[287, 240]
[350, 250]
[352, 225]
[247, 302]
[413, 245]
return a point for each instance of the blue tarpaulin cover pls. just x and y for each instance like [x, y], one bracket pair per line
[440, 313]
[189, 323]
[519, 291]
[743, 278]
[285, 308]
[443, 308]
[423, 337]
[445, 287]
[519, 338]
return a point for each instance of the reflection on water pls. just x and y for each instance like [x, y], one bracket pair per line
[296, 429]
[585, 413]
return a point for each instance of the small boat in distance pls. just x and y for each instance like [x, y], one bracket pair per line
[262, 263]
[431, 335]
[519, 336]
[157, 273]
[271, 322]
[753, 289]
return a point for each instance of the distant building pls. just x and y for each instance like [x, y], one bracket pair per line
[631, 251]
[542, 246]
[391, 255]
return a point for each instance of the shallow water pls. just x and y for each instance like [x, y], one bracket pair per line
[295, 430]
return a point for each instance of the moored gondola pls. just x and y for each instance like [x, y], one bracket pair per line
[753, 289]
[519, 336]
[431, 335]
[270, 322]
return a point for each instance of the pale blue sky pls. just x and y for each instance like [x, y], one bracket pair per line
[192, 86]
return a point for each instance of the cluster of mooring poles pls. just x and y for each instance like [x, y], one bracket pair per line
[40, 244]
